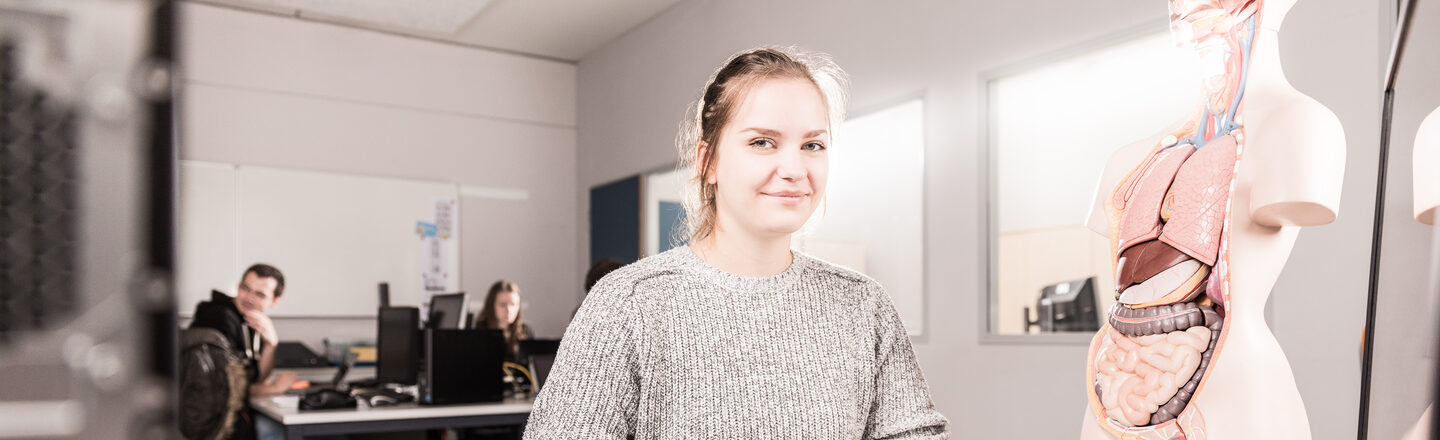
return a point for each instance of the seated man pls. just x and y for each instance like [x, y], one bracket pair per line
[243, 322]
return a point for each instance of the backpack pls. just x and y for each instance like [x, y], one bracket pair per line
[213, 385]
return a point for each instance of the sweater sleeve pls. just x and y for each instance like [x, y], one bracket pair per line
[593, 388]
[902, 408]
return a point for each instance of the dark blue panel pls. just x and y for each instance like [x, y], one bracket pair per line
[672, 221]
[615, 221]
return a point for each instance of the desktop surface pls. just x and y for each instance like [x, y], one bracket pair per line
[286, 410]
[324, 375]
[392, 416]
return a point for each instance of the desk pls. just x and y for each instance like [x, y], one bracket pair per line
[323, 375]
[403, 417]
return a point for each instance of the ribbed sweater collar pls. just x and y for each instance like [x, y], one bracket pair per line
[776, 283]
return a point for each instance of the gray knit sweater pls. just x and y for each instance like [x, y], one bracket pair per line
[671, 347]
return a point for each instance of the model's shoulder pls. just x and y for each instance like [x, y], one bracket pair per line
[1290, 113]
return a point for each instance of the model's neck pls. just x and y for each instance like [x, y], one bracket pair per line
[1265, 72]
[1261, 70]
[744, 254]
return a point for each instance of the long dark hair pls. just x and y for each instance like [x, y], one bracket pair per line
[487, 314]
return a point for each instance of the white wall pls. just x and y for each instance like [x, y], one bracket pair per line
[280, 92]
[632, 93]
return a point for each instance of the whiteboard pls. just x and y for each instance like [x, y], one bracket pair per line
[335, 236]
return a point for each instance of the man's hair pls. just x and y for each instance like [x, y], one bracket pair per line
[263, 270]
[599, 270]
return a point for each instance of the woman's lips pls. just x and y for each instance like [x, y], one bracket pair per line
[788, 198]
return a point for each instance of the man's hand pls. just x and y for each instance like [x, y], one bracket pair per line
[263, 326]
[284, 379]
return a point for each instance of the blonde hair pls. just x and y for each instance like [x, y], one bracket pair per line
[723, 92]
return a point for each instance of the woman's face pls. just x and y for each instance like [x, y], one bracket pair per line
[771, 164]
[507, 307]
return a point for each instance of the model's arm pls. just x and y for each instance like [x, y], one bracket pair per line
[593, 388]
[902, 408]
[1117, 168]
[1096, 220]
[1302, 151]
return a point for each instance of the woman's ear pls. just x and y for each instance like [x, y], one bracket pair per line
[703, 162]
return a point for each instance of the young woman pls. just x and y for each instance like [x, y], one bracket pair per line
[736, 335]
[502, 312]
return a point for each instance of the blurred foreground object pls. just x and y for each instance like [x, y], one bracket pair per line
[87, 163]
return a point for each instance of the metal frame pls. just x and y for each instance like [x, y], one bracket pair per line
[1392, 69]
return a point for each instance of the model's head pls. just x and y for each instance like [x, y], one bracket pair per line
[1219, 32]
[502, 305]
[758, 140]
[260, 288]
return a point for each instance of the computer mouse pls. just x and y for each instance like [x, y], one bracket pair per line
[382, 400]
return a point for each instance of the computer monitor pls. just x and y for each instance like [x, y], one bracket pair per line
[539, 346]
[1068, 306]
[542, 356]
[463, 366]
[398, 346]
[447, 312]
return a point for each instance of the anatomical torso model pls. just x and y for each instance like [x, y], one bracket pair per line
[1426, 167]
[1201, 220]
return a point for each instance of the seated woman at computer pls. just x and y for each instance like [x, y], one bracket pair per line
[737, 333]
[502, 312]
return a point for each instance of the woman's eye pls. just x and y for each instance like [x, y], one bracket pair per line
[814, 146]
[762, 143]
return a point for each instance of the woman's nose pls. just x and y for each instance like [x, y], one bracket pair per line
[791, 166]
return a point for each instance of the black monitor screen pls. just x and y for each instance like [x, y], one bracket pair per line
[398, 346]
[540, 346]
[447, 312]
